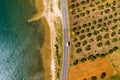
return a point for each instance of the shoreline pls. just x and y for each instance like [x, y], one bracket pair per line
[46, 51]
[48, 15]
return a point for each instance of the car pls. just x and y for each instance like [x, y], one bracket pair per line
[68, 43]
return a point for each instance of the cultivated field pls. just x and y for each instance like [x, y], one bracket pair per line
[94, 35]
[99, 69]
[95, 28]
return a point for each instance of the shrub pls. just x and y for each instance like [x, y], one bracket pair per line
[110, 51]
[82, 31]
[106, 35]
[74, 29]
[72, 6]
[104, 24]
[93, 9]
[92, 0]
[82, 2]
[91, 40]
[103, 0]
[87, 47]
[119, 19]
[114, 40]
[84, 43]
[99, 44]
[113, 33]
[78, 10]
[72, 12]
[89, 34]
[97, 55]
[113, 9]
[114, 2]
[100, 7]
[101, 13]
[91, 5]
[107, 11]
[99, 25]
[75, 23]
[107, 4]
[83, 60]
[91, 57]
[115, 14]
[92, 27]
[114, 27]
[109, 22]
[77, 33]
[84, 25]
[89, 24]
[82, 14]
[93, 78]
[87, 30]
[76, 16]
[103, 75]
[76, 62]
[115, 48]
[83, 7]
[99, 20]
[119, 32]
[97, 2]
[107, 43]
[105, 18]
[87, 12]
[77, 44]
[114, 20]
[87, 1]
[95, 32]
[106, 29]
[101, 30]
[110, 16]
[82, 37]
[78, 50]
[75, 39]
[102, 55]
[99, 38]
[77, 4]
[94, 22]
[79, 27]
[73, 0]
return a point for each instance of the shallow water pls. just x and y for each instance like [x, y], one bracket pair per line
[19, 57]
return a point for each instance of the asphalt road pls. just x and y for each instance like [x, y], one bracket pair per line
[66, 38]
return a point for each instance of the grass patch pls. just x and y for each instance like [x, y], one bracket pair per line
[59, 5]
[115, 77]
[59, 46]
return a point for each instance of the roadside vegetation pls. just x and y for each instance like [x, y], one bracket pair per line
[59, 4]
[58, 47]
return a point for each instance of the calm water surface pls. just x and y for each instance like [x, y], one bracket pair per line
[19, 56]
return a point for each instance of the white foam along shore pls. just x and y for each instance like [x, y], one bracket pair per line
[51, 17]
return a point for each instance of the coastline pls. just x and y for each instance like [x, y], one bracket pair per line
[48, 13]
[46, 51]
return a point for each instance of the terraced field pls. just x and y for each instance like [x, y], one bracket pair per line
[95, 28]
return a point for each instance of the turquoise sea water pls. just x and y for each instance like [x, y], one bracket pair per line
[19, 57]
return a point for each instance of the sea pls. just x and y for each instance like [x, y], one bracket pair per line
[20, 57]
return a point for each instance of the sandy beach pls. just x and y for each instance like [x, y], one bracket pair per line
[50, 12]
